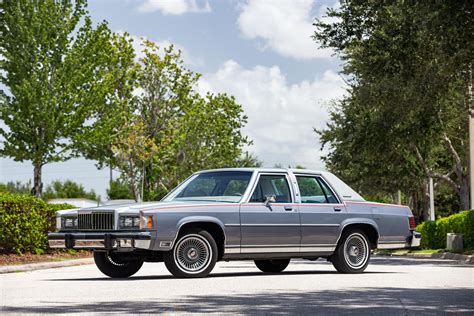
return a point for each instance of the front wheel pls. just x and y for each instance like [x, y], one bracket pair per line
[352, 253]
[193, 256]
[272, 266]
[111, 265]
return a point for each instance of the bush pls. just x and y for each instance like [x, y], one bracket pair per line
[434, 232]
[25, 222]
[68, 189]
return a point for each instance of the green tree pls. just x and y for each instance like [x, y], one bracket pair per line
[54, 69]
[68, 189]
[119, 190]
[15, 187]
[409, 66]
[171, 131]
[106, 130]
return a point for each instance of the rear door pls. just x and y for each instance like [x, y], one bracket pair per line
[321, 214]
[273, 228]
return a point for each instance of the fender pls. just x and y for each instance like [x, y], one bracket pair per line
[357, 220]
[197, 219]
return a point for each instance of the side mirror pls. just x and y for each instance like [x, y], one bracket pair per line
[269, 199]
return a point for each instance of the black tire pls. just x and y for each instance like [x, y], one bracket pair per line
[111, 265]
[194, 254]
[352, 253]
[272, 266]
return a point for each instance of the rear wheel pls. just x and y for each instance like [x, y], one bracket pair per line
[193, 256]
[272, 266]
[111, 265]
[352, 253]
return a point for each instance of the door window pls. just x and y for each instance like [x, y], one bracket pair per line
[275, 185]
[314, 190]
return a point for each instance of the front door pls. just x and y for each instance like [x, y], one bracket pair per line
[272, 227]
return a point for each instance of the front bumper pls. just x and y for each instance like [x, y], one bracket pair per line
[121, 241]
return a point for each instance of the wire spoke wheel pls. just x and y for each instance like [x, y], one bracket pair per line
[356, 251]
[193, 254]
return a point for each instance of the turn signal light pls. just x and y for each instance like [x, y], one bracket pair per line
[149, 222]
[146, 221]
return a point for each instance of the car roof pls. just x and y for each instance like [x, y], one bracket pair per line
[260, 169]
[344, 191]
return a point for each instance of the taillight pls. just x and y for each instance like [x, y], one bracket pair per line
[411, 221]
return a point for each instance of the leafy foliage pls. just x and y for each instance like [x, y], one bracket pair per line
[165, 131]
[54, 67]
[434, 232]
[25, 222]
[408, 67]
[119, 190]
[15, 187]
[68, 189]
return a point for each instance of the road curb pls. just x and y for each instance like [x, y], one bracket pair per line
[45, 265]
[469, 259]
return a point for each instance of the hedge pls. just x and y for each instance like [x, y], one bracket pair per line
[434, 232]
[25, 222]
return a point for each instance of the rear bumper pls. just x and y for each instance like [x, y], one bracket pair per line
[121, 241]
[415, 240]
[412, 241]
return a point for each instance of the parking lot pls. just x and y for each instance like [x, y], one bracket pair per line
[391, 286]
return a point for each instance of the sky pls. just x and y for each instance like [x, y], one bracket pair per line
[259, 51]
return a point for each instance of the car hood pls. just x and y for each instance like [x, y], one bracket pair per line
[144, 206]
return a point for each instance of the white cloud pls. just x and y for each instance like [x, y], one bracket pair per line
[188, 59]
[284, 26]
[281, 115]
[175, 7]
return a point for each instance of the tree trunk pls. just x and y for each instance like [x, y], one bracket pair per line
[464, 193]
[37, 184]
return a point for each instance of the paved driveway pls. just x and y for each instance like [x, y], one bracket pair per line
[390, 286]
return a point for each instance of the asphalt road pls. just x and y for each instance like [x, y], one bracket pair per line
[390, 286]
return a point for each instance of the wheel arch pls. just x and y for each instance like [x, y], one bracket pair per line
[369, 227]
[212, 225]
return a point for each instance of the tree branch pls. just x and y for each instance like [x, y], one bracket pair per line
[430, 173]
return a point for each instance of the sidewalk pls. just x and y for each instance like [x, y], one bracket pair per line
[469, 259]
[45, 265]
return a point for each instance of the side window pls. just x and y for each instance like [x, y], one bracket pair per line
[276, 185]
[329, 194]
[314, 190]
[310, 190]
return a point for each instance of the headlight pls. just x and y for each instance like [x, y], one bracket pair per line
[69, 222]
[129, 221]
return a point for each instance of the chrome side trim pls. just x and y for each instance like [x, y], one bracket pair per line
[232, 250]
[270, 249]
[231, 225]
[287, 248]
[320, 225]
[318, 249]
[392, 245]
[269, 225]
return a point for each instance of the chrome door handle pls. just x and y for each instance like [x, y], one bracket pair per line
[337, 209]
[288, 208]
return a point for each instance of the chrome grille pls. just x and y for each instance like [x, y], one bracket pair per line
[96, 221]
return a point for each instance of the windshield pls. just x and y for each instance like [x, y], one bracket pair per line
[220, 186]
